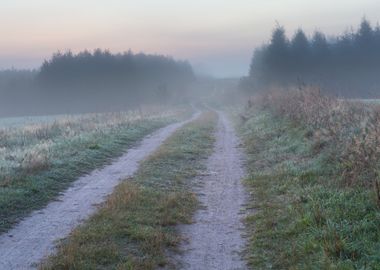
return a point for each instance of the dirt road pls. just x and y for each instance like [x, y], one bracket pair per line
[35, 237]
[214, 240]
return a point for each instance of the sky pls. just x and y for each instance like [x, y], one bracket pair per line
[217, 36]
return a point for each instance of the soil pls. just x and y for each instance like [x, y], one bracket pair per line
[215, 239]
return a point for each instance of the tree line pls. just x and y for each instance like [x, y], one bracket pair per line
[91, 68]
[345, 65]
[94, 81]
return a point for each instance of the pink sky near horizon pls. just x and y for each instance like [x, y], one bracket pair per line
[218, 37]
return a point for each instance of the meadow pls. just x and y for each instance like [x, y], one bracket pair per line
[40, 157]
[313, 164]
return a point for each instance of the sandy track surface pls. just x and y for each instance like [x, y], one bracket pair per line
[214, 240]
[35, 237]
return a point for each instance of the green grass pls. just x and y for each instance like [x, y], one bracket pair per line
[135, 227]
[28, 181]
[304, 217]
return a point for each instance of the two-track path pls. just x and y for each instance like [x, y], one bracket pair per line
[35, 237]
[214, 240]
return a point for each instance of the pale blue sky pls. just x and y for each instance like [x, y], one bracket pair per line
[218, 37]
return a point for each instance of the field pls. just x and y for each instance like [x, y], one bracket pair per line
[135, 207]
[311, 197]
[313, 174]
[40, 157]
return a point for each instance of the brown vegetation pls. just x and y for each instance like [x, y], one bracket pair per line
[353, 127]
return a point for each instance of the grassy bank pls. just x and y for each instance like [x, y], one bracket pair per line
[135, 226]
[38, 161]
[306, 215]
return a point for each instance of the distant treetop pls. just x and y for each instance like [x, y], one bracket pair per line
[347, 64]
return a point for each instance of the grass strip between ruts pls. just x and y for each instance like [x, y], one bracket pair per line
[136, 225]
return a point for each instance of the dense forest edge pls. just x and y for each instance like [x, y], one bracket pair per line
[346, 65]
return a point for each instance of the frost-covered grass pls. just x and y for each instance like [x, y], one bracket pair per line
[38, 160]
[305, 216]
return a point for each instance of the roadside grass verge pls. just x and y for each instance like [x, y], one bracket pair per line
[135, 227]
[38, 162]
[304, 216]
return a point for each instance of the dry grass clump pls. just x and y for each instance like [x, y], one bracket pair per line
[34, 161]
[353, 128]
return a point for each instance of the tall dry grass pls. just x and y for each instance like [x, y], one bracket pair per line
[352, 128]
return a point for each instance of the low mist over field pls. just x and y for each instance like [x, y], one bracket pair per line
[344, 65]
[189, 135]
[94, 82]
[120, 55]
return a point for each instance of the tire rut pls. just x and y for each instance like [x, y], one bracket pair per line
[214, 240]
[35, 237]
